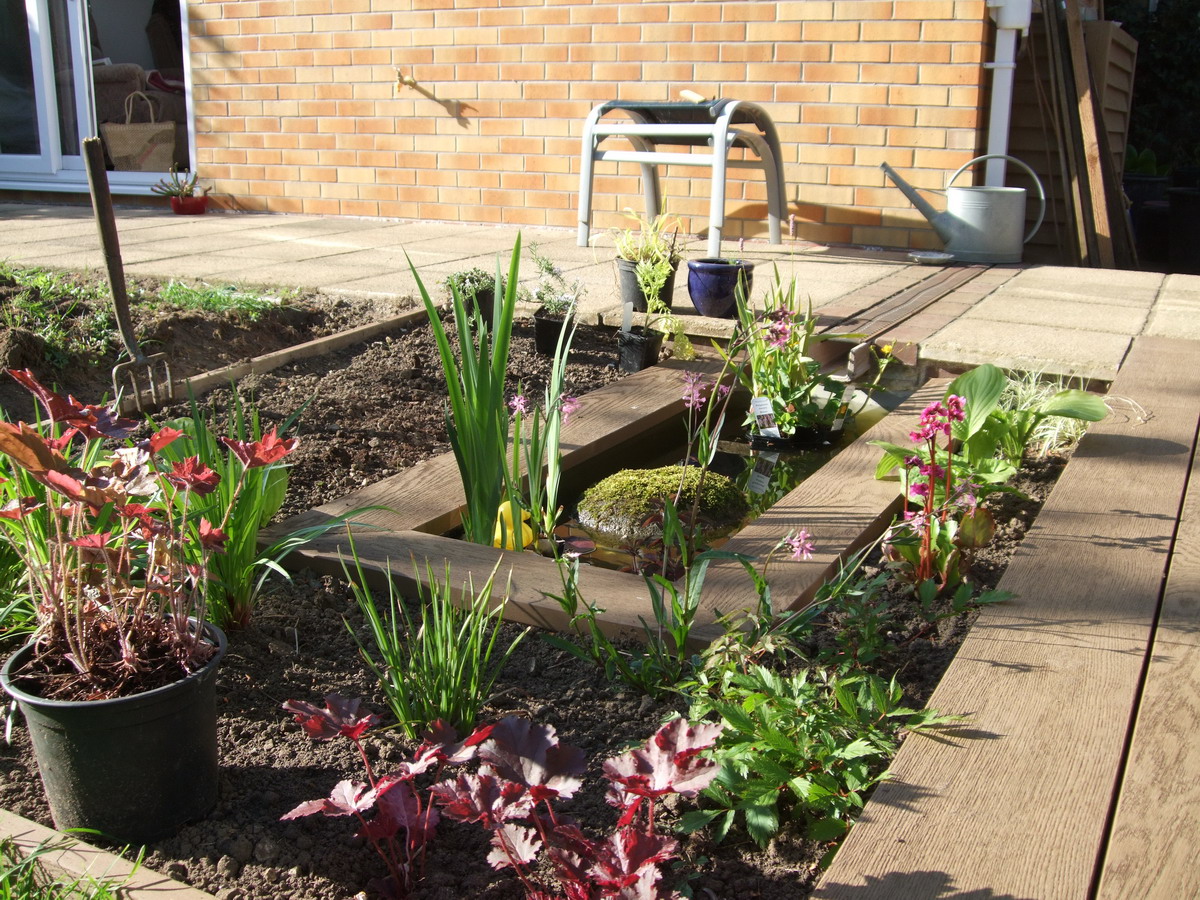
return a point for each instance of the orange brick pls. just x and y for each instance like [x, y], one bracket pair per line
[805, 10]
[832, 72]
[800, 52]
[952, 75]
[858, 94]
[828, 114]
[831, 32]
[722, 33]
[643, 12]
[887, 115]
[909, 95]
[926, 10]
[863, 53]
[894, 32]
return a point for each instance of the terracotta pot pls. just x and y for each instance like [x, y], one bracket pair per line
[190, 206]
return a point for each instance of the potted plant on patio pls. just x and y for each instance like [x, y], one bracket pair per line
[182, 193]
[117, 684]
[476, 288]
[556, 300]
[792, 403]
[713, 284]
[647, 260]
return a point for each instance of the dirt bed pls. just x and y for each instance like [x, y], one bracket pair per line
[375, 409]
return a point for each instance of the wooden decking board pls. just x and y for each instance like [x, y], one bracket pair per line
[842, 505]
[429, 496]
[1151, 849]
[1016, 806]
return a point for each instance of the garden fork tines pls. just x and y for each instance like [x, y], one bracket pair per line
[143, 375]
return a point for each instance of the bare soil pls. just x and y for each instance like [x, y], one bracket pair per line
[375, 409]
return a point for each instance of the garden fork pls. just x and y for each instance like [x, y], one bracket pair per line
[143, 374]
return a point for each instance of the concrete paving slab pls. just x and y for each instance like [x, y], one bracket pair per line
[1026, 347]
[1177, 320]
[1014, 306]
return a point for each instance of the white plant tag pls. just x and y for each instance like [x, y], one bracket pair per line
[843, 408]
[764, 417]
[760, 478]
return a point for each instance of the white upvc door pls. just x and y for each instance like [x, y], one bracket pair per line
[45, 92]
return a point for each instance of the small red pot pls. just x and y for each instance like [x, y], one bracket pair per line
[190, 206]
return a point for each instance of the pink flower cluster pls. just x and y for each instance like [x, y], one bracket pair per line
[937, 419]
[696, 390]
[801, 544]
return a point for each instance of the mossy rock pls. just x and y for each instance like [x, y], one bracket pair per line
[619, 506]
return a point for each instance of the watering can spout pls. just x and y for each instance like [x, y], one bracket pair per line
[939, 221]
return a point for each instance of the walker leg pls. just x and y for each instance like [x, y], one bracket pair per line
[716, 201]
[586, 166]
[774, 196]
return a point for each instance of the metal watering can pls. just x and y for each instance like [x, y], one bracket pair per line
[980, 224]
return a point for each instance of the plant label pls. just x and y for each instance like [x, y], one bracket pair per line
[764, 417]
[760, 477]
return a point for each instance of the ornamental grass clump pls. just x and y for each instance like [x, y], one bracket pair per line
[116, 555]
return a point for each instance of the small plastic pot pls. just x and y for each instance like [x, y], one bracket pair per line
[637, 350]
[546, 330]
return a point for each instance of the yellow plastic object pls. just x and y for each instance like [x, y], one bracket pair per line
[506, 532]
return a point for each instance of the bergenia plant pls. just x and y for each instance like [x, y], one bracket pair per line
[942, 519]
[112, 544]
[523, 770]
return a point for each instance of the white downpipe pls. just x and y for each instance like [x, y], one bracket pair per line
[1011, 16]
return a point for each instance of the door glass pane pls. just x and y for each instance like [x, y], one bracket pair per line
[18, 101]
[64, 77]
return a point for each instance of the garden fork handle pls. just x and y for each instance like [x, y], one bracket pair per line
[106, 222]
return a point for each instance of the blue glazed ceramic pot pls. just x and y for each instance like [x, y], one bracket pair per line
[711, 284]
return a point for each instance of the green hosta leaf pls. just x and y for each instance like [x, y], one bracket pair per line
[1074, 404]
[762, 821]
[893, 455]
[981, 388]
[827, 829]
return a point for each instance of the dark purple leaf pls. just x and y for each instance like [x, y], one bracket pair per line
[482, 798]
[346, 798]
[629, 860]
[521, 843]
[339, 717]
[398, 807]
[530, 754]
[441, 740]
[669, 763]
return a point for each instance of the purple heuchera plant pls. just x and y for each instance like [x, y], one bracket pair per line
[523, 768]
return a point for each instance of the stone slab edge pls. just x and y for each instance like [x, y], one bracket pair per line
[78, 859]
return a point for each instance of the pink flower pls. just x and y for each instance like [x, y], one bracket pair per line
[695, 389]
[779, 332]
[801, 544]
[520, 405]
[568, 406]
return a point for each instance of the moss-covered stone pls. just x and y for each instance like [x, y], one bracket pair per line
[620, 505]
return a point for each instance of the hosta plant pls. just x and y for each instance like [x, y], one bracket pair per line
[114, 549]
[523, 769]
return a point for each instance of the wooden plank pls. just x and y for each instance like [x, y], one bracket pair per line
[206, 381]
[1091, 143]
[842, 505]
[1017, 804]
[78, 860]
[1152, 845]
[429, 496]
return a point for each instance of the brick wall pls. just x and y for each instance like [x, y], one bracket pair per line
[297, 108]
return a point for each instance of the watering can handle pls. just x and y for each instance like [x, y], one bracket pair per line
[1041, 193]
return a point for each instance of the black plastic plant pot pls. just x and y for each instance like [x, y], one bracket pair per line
[801, 439]
[485, 302]
[136, 769]
[631, 292]
[637, 350]
[546, 330]
[712, 284]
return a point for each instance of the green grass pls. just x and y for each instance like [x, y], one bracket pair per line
[23, 877]
[206, 297]
[71, 315]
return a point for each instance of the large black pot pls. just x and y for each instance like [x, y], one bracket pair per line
[136, 769]
[712, 285]
[637, 349]
[631, 292]
[546, 331]
[1185, 230]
